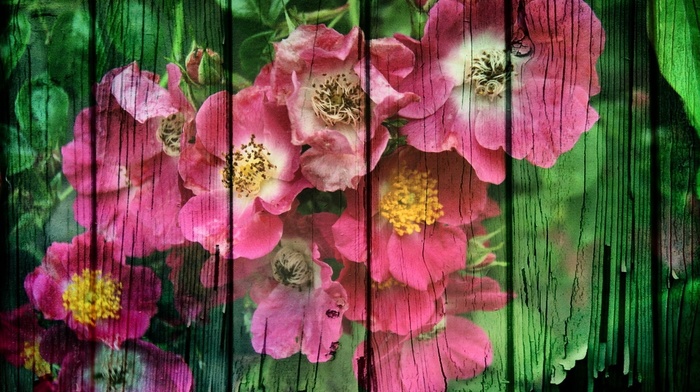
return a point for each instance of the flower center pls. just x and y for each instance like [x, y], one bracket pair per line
[412, 201]
[339, 100]
[116, 370]
[33, 360]
[488, 73]
[169, 132]
[292, 268]
[91, 297]
[247, 168]
[389, 283]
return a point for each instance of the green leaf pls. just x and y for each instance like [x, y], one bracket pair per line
[255, 52]
[68, 52]
[676, 37]
[138, 31]
[42, 112]
[13, 42]
[264, 11]
[17, 155]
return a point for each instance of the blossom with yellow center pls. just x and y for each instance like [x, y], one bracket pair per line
[91, 297]
[412, 201]
[247, 168]
[33, 360]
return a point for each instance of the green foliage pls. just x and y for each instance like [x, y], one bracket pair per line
[42, 112]
[255, 52]
[17, 153]
[13, 43]
[675, 33]
[267, 12]
[138, 30]
[68, 52]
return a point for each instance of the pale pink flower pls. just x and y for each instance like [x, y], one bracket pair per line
[320, 75]
[463, 72]
[304, 311]
[136, 184]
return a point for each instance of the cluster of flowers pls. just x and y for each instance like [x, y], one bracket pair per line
[216, 186]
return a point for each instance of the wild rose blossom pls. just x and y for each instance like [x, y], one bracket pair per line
[453, 348]
[138, 125]
[418, 213]
[256, 171]
[102, 299]
[20, 339]
[396, 307]
[304, 311]
[462, 74]
[320, 75]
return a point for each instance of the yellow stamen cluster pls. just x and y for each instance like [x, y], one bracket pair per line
[488, 73]
[169, 133]
[91, 297]
[339, 100]
[412, 201]
[389, 283]
[247, 168]
[33, 360]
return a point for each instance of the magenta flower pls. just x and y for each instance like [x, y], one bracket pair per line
[320, 75]
[137, 125]
[100, 299]
[253, 175]
[463, 73]
[20, 337]
[305, 310]
[419, 204]
[138, 367]
[396, 307]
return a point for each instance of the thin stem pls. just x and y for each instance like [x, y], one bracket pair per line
[179, 31]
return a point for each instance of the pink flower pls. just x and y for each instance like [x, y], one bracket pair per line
[462, 77]
[305, 310]
[242, 164]
[20, 337]
[100, 298]
[453, 349]
[432, 356]
[320, 75]
[396, 307]
[419, 204]
[134, 127]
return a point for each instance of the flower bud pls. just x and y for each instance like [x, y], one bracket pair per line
[204, 66]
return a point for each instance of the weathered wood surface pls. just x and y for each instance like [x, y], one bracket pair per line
[587, 244]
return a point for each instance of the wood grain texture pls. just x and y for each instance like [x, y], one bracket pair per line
[600, 251]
